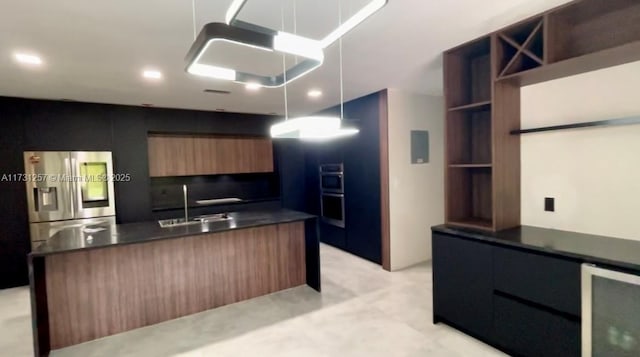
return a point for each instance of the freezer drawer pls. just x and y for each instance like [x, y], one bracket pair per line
[41, 232]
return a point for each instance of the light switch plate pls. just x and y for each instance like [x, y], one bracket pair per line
[549, 204]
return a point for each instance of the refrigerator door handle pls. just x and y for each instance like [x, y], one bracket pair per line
[69, 178]
[74, 187]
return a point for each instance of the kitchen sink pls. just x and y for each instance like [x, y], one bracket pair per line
[204, 219]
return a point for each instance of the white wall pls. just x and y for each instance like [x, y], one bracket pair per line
[416, 191]
[594, 174]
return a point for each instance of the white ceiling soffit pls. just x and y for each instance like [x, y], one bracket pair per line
[97, 51]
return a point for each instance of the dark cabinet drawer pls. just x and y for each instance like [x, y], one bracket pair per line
[526, 331]
[548, 281]
[462, 284]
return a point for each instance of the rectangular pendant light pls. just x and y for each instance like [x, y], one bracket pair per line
[310, 51]
[256, 36]
[355, 20]
[297, 45]
[311, 128]
[305, 127]
[233, 10]
[206, 70]
[365, 12]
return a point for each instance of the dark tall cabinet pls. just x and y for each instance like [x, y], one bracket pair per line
[463, 288]
[360, 156]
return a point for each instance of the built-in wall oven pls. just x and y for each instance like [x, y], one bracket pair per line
[332, 178]
[610, 313]
[332, 194]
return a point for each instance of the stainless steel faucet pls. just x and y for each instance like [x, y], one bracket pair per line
[186, 207]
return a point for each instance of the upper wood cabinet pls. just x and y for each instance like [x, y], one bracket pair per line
[190, 155]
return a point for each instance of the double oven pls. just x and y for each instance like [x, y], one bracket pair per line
[332, 194]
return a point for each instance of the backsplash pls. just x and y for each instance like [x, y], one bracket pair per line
[167, 193]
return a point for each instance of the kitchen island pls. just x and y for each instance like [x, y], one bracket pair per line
[91, 282]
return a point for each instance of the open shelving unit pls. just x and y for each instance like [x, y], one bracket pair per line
[469, 101]
[471, 187]
[482, 81]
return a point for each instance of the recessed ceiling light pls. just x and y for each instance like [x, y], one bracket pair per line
[253, 86]
[314, 93]
[28, 59]
[152, 74]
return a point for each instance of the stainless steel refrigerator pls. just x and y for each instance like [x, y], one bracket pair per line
[68, 189]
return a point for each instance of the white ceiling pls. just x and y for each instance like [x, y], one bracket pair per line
[95, 51]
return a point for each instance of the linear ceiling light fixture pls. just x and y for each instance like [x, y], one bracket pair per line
[234, 10]
[283, 42]
[313, 127]
[252, 35]
[359, 17]
[355, 20]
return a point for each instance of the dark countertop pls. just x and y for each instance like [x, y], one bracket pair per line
[614, 252]
[76, 239]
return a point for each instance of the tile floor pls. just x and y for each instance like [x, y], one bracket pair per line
[362, 311]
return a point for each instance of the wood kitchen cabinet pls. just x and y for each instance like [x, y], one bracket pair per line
[190, 155]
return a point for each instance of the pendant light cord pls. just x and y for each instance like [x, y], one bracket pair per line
[193, 10]
[295, 23]
[284, 68]
[340, 51]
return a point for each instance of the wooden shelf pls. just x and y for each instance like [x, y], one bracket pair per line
[526, 51]
[602, 59]
[470, 166]
[479, 106]
[469, 193]
[590, 26]
[469, 97]
[469, 137]
[467, 71]
[590, 124]
[474, 223]
[520, 47]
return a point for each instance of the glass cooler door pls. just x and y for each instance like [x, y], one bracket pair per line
[610, 313]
